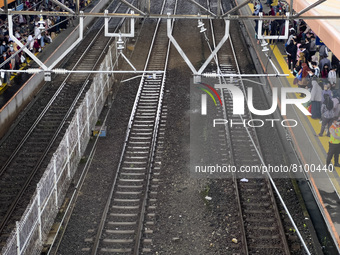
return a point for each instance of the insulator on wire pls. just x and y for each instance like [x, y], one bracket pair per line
[214, 75]
[120, 44]
[60, 71]
[34, 70]
[41, 23]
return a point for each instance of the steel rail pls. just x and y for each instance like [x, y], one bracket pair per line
[227, 132]
[273, 185]
[128, 131]
[269, 181]
[32, 128]
[254, 140]
[80, 182]
[153, 149]
[277, 216]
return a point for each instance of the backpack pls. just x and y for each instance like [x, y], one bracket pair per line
[323, 51]
[329, 104]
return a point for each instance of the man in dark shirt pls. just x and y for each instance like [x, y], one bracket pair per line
[5, 75]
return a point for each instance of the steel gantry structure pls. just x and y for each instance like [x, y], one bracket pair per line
[139, 14]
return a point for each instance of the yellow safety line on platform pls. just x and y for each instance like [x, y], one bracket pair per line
[314, 123]
[284, 67]
[251, 7]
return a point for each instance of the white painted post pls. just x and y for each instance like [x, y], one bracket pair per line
[110, 50]
[68, 157]
[78, 133]
[102, 85]
[55, 181]
[112, 63]
[107, 66]
[18, 237]
[39, 212]
[95, 97]
[87, 115]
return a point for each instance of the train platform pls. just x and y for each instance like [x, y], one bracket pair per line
[47, 55]
[311, 149]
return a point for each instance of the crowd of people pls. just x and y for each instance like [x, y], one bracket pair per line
[315, 72]
[313, 67]
[31, 30]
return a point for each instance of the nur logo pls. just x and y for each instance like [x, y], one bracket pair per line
[204, 98]
[239, 99]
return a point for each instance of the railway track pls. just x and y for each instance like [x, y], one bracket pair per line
[28, 149]
[126, 223]
[261, 230]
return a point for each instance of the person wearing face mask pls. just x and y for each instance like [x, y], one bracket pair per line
[3, 48]
[323, 62]
[324, 73]
[5, 75]
[10, 53]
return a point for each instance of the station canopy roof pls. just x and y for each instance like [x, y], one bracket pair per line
[328, 30]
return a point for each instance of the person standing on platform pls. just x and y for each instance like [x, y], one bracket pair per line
[305, 52]
[334, 144]
[316, 99]
[316, 69]
[323, 51]
[291, 53]
[312, 47]
[332, 77]
[303, 83]
[5, 76]
[327, 111]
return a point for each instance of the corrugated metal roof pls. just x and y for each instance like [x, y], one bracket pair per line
[327, 30]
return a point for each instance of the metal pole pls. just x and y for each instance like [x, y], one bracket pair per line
[309, 7]
[81, 28]
[133, 7]
[28, 52]
[202, 7]
[6, 6]
[126, 59]
[179, 49]
[215, 75]
[291, 8]
[236, 8]
[218, 47]
[64, 7]
[77, 7]
[173, 16]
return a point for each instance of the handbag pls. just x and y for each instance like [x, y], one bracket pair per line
[307, 104]
[310, 108]
[299, 75]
